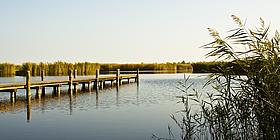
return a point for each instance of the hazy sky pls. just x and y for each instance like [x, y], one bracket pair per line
[122, 31]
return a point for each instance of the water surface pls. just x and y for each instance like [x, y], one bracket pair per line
[132, 112]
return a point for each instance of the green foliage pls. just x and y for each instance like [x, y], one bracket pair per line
[58, 68]
[86, 68]
[245, 105]
[183, 68]
[164, 67]
[218, 66]
[206, 67]
[7, 69]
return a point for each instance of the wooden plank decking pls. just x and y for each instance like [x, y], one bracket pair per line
[97, 82]
[12, 86]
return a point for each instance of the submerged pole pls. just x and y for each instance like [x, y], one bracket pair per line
[118, 78]
[58, 90]
[89, 87]
[54, 90]
[28, 84]
[42, 79]
[97, 79]
[75, 84]
[101, 84]
[38, 92]
[70, 82]
[75, 87]
[28, 96]
[83, 86]
[13, 96]
[137, 76]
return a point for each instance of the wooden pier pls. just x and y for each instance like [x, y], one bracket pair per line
[73, 83]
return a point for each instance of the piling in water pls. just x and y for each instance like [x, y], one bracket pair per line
[137, 76]
[70, 82]
[42, 79]
[28, 84]
[118, 78]
[97, 79]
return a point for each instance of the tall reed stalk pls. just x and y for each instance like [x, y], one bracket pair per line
[245, 104]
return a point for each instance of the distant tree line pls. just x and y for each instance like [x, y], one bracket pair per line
[87, 68]
[7, 69]
[162, 67]
[218, 67]
[57, 68]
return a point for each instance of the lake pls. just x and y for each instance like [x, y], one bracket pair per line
[133, 112]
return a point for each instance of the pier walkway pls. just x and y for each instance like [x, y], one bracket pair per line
[73, 83]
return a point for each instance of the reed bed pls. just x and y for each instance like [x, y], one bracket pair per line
[243, 105]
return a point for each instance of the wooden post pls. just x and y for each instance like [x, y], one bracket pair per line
[118, 78]
[137, 76]
[83, 86]
[38, 92]
[112, 83]
[42, 79]
[28, 84]
[89, 87]
[58, 90]
[42, 75]
[54, 90]
[75, 88]
[128, 80]
[70, 82]
[28, 96]
[101, 84]
[13, 96]
[75, 74]
[97, 79]
[75, 84]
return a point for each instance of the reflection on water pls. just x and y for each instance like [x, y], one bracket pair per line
[70, 103]
[28, 107]
[130, 112]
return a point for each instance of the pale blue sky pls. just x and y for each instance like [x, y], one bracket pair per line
[121, 31]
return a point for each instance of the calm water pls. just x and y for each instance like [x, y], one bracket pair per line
[133, 112]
